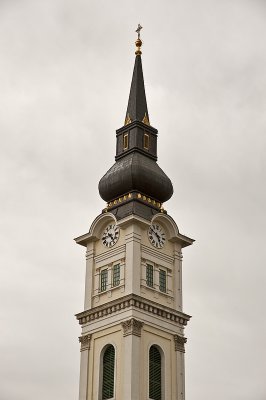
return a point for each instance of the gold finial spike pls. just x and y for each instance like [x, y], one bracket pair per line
[138, 41]
[146, 119]
[127, 120]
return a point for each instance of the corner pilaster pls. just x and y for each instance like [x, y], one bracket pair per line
[132, 336]
[180, 365]
[133, 259]
[177, 275]
[89, 274]
[85, 341]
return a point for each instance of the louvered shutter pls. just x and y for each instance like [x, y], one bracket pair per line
[108, 373]
[155, 374]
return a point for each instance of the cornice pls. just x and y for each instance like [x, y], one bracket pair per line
[132, 301]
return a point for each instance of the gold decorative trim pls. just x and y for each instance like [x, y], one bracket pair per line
[146, 120]
[138, 196]
[135, 301]
[138, 44]
[132, 327]
[180, 343]
[127, 120]
[85, 342]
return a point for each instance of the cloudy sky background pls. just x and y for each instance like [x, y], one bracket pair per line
[65, 72]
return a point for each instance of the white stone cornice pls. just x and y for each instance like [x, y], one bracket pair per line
[136, 302]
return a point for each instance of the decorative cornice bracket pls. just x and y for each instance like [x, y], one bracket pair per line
[85, 342]
[132, 327]
[180, 343]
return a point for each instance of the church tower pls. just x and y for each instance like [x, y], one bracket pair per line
[132, 340]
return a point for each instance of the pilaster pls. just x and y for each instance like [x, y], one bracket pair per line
[180, 365]
[177, 276]
[132, 354]
[133, 257]
[84, 366]
[89, 274]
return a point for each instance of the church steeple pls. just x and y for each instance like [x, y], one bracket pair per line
[132, 326]
[135, 184]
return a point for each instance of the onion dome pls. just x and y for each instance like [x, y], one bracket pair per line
[136, 176]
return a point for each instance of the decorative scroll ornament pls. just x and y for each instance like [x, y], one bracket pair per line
[180, 343]
[132, 327]
[127, 120]
[146, 119]
[85, 342]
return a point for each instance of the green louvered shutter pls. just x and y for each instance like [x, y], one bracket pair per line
[108, 373]
[155, 374]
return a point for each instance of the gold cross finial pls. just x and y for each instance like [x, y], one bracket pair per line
[138, 41]
[138, 30]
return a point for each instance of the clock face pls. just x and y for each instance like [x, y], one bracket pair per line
[156, 236]
[110, 235]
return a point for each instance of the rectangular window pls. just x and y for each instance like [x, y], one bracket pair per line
[149, 275]
[162, 280]
[146, 141]
[103, 280]
[125, 141]
[116, 275]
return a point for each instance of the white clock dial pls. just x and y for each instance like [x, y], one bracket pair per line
[110, 235]
[156, 236]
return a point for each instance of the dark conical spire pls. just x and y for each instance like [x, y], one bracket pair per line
[137, 109]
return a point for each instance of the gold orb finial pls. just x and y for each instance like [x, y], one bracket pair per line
[138, 41]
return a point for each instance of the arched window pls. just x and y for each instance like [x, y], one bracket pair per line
[155, 374]
[108, 373]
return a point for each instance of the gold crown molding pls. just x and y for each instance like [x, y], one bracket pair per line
[134, 195]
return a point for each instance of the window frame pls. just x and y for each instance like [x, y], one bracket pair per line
[116, 274]
[150, 275]
[162, 288]
[103, 280]
[125, 141]
[146, 141]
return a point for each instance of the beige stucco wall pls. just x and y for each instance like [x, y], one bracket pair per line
[149, 336]
[133, 251]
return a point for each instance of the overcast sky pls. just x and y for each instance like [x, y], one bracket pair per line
[65, 72]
